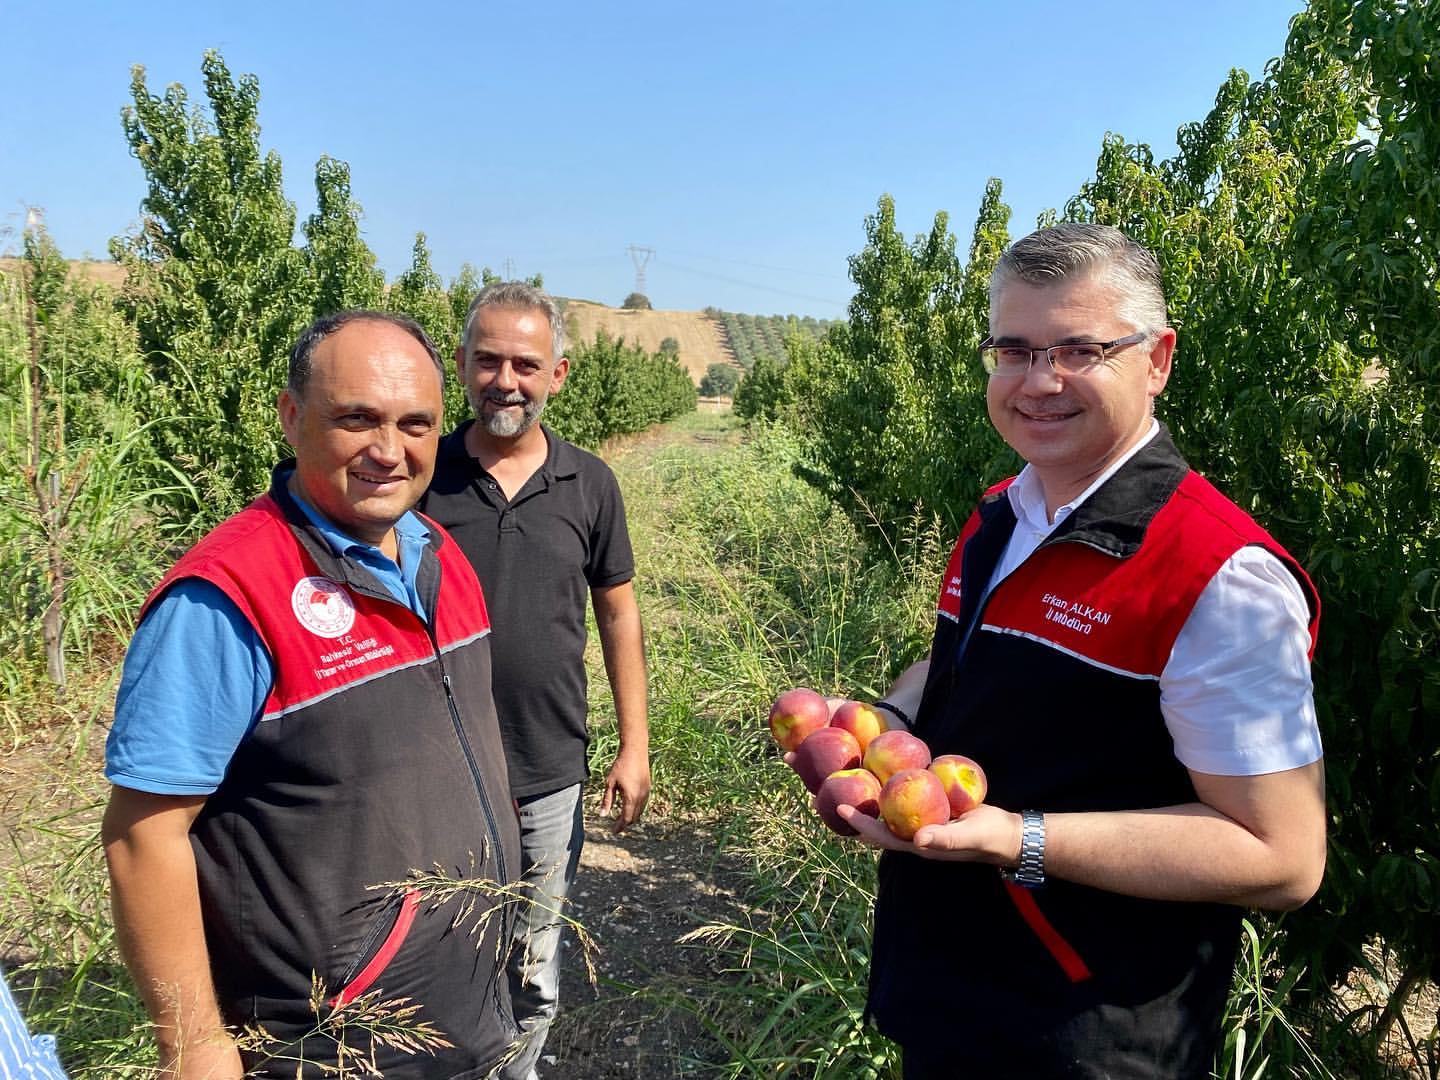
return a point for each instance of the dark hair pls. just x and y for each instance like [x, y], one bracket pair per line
[304, 348]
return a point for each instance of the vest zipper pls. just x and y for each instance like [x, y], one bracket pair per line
[470, 759]
[456, 721]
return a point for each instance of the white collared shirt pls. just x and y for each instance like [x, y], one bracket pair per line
[1236, 692]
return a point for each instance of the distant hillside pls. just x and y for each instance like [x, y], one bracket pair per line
[108, 273]
[705, 337]
[753, 336]
[700, 338]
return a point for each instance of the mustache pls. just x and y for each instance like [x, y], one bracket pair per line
[515, 398]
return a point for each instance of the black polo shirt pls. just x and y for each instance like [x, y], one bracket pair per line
[537, 557]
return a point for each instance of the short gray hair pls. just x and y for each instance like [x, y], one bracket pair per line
[1080, 249]
[518, 296]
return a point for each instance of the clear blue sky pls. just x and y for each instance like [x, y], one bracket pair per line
[744, 142]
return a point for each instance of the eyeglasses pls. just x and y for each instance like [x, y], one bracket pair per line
[1074, 358]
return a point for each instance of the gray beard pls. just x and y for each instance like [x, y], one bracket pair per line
[506, 425]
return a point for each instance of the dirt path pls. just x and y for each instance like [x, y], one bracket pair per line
[637, 894]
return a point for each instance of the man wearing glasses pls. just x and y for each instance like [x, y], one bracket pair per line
[1127, 654]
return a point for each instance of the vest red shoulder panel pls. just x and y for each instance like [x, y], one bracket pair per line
[1123, 614]
[323, 636]
[950, 587]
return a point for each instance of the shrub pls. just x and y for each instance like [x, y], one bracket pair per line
[719, 381]
[614, 389]
[762, 393]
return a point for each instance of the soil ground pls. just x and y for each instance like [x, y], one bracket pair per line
[637, 893]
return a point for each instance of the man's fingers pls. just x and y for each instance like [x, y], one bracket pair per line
[872, 830]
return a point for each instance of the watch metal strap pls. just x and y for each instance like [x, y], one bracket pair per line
[1031, 871]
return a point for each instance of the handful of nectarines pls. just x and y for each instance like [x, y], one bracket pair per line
[850, 759]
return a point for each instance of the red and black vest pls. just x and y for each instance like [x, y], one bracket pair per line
[1051, 682]
[377, 754]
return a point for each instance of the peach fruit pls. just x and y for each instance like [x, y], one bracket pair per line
[795, 714]
[850, 787]
[825, 751]
[913, 798]
[860, 720]
[963, 779]
[891, 751]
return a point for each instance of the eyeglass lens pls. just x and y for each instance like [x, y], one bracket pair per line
[1015, 359]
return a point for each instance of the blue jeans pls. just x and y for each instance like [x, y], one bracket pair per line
[552, 830]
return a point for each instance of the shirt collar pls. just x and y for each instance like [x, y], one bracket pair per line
[1027, 498]
[562, 460]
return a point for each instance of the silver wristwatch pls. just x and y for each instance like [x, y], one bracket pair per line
[1031, 871]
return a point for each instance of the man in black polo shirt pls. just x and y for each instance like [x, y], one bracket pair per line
[542, 521]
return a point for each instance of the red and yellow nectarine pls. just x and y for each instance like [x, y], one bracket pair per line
[891, 751]
[795, 714]
[849, 787]
[911, 799]
[964, 782]
[860, 720]
[825, 751]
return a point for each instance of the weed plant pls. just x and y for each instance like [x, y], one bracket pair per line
[58, 945]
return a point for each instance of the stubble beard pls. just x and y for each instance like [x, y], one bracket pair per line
[504, 424]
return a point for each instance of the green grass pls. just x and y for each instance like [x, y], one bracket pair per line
[750, 583]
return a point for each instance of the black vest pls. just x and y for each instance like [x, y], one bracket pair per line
[1052, 684]
[377, 754]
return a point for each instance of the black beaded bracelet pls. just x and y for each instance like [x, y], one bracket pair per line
[895, 711]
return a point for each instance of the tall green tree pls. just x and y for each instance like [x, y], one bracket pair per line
[420, 294]
[763, 393]
[214, 285]
[892, 400]
[339, 261]
[1367, 242]
[720, 379]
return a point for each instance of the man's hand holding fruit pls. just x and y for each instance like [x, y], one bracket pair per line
[882, 786]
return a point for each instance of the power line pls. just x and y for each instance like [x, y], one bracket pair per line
[756, 285]
[764, 266]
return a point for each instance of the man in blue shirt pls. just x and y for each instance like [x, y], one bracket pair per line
[300, 675]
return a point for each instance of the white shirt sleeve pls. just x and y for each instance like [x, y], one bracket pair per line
[1236, 693]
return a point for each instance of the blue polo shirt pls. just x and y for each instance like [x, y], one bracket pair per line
[197, 674]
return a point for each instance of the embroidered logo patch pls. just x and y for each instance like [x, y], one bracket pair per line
[323, 607]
